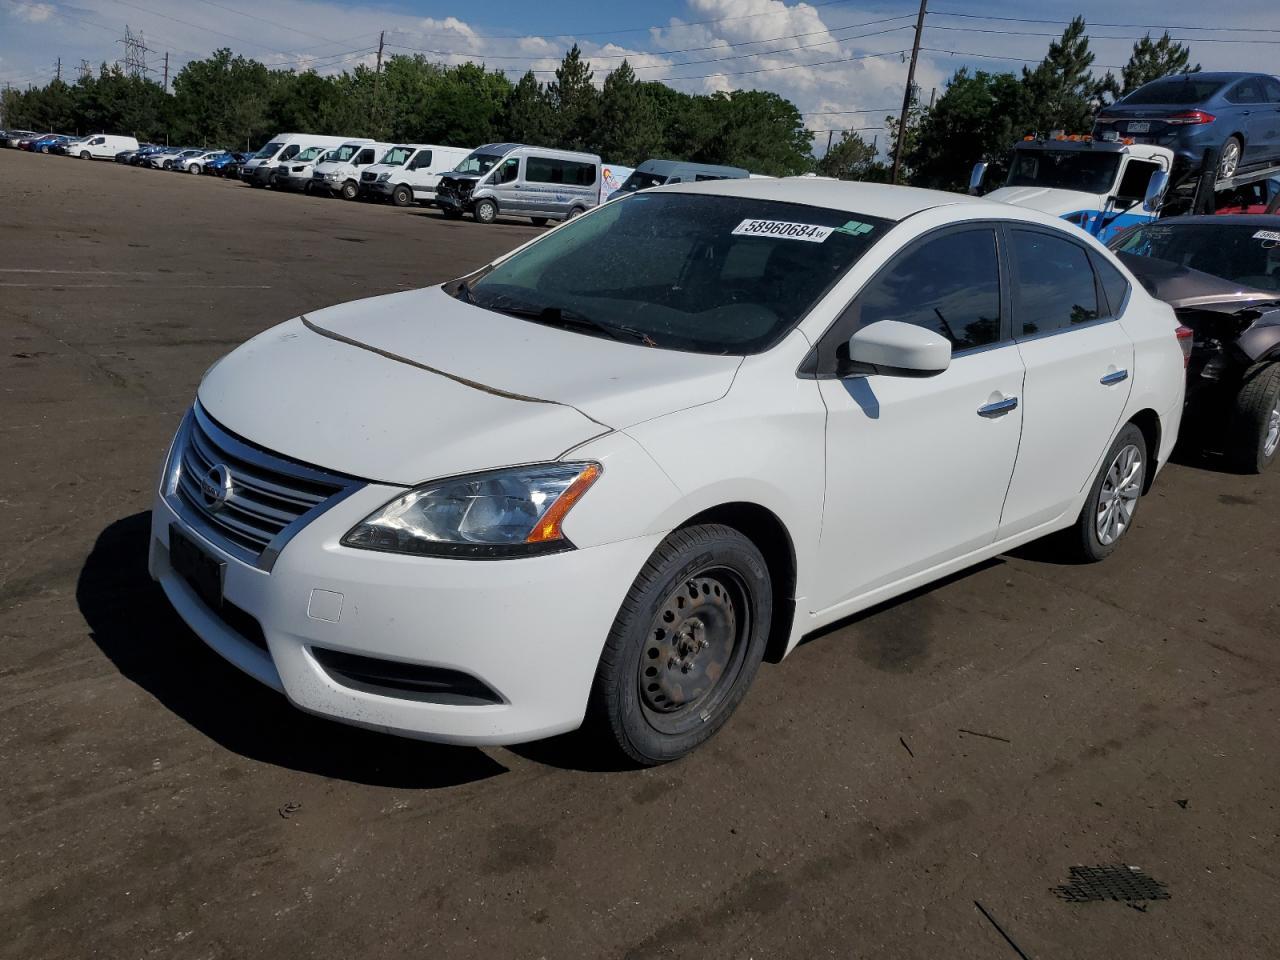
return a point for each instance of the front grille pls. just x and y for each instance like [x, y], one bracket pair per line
[246, 500]
[317, 176]
[409, 681]
[368, 177]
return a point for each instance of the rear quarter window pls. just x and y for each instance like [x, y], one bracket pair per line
[1114, 285]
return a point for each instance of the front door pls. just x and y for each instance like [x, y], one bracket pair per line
[917, 469]
[1078, 361]
[507, 187]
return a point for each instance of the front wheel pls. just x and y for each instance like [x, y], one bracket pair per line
[402, 196]
[685, 646]
[486, 211]
[1229, 160]
[84, 154]
[1112, 504]
[194, 168]
[350, 190]
[1255, 438]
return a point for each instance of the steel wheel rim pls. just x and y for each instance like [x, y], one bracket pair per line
[1230, 159]
[694, 650]
[1272, 441]
[487, 212]
[1118, 498]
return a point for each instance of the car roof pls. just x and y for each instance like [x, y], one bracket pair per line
[870, 199]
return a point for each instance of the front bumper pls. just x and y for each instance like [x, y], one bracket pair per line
[530, 629]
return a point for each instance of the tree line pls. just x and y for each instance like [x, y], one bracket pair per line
[237, 102]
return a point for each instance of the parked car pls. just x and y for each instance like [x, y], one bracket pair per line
[194, 162]
[409, 172]
[143, 157]
[42, 144]
[1222, 277]
[1235, 113]
[159, 158]
[655, 173]
[738, 411]
[338, 173]
[13, 138]
[101, 146]
[172, 162]
[1262, 196]
[514, 179]
[223, 163]
[295, 174]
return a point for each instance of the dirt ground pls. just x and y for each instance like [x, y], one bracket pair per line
[965, 746]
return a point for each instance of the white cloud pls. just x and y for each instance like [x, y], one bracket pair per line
[32, 12]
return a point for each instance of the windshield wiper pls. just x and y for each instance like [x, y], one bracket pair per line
[572, 320]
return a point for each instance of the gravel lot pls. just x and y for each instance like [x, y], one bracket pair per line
[970, 743]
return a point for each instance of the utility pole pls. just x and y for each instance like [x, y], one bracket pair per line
[165, 85]
[376, 74]
[86, 71]
[57, 71]
[830, 134]
[908, 95]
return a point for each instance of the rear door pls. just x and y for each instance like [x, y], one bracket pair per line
[1271, 87]
[1078, 361]
[1254, 117]
[917, 468]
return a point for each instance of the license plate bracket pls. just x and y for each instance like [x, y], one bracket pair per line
[205, 574]
[1139, 126]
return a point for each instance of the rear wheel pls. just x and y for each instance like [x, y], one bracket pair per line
[1109, 511]
[1255, 428]
[573, 212]
[402, 196]
[486, 211]
[1229, 160]
[685, 646]
[350, 190]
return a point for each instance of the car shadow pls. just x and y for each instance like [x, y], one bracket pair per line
[132, 622]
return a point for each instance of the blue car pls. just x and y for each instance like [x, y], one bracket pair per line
[1237, 114]
[43, 144]
[218, 165]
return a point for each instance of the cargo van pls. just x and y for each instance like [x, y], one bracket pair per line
[295, 174]
[339, 172]
[517, 180]
[409, 172]
[262, 168]
[654, 173]
[101, 146]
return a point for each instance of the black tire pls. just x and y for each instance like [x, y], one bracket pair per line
[402, 196]
[194, 169]
[1229, 157]
[1256, 415]
[719, 579]
[451, 214]
[486, 211]
[1082, 542]
[84, 155]
[350, 190]
[574, 212]
[539, 221]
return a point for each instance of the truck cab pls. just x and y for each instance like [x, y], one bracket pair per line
[1102, 186]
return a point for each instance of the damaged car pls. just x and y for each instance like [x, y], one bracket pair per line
[1222, 277]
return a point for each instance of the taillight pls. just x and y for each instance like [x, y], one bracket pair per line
[1190, 117]
[1186, 338]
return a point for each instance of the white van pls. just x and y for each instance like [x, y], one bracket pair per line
[295, 174]
[517, 180]
[100, 146]
[262, 168]
[339, 173]
[408, 172]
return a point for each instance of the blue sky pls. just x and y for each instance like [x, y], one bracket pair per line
[843, 63]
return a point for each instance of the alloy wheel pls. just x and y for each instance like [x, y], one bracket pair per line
[1272, 441]
[1118, 498]
[1230, 159]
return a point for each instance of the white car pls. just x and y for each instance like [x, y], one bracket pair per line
[194, 162]
[596, 479]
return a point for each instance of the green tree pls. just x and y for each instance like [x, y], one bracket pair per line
[527, 116]
[1149, 61]
[1061, 92]
[574, 102]
[850, 158]
[755, 129]
[977, 118]
[628, 131]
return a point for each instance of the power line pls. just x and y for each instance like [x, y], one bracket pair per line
[1094, 36]
[1000, 56]
[1118, 26]
[833, 113]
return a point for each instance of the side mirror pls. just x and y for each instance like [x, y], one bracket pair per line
[976, 177]
[1156, 187]
[892, 348]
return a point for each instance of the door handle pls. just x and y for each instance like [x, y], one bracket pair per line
[999, 408]
[1113, 378]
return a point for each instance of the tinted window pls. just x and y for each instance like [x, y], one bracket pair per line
[423, 159]
[1137, 174]
[508, 172]
[1183, 89]
[1239, 252]
[1053, 283]
[1247, 91]
[365, 156]
[570, 172]
[642, 181]
[1114, 285]
[1273, 89]
[725, 275]
[950, 285]
[1064, 170]
[290, 152]
[700, 177]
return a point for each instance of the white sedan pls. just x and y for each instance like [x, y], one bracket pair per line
[596, 480]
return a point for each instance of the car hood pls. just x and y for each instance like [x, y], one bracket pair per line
[418, 385]
[1045, 199]
[1183, 288]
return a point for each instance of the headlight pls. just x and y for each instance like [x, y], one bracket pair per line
[333, 176]
[484, 516]
[384, 177]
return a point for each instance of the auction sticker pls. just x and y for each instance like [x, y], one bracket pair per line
[809, 232]
[1260, 235]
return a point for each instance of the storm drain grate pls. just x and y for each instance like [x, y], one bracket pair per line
[1110, 882]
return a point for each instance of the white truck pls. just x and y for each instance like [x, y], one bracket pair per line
[1102, 186]
[408, 172]
[339, 173]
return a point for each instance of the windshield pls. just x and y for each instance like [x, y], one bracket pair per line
[642, 181]
[343, 153]
[1175, 91]
[1240, 252]
[477, 163]
[397, 156]
[309, 154]
[708, 274]
[1064, 170]
[269, 151]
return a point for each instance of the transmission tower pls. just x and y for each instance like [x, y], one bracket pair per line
[135, 53]
[86, 71]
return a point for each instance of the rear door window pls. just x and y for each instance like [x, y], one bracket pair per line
[1054, 287]
[1114, 286]
[568, 172]
[1247, 91]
